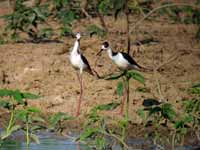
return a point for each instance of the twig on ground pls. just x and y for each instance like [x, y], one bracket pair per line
[167, 62]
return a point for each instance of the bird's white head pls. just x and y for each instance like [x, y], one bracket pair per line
[104, 46]
[78, 36]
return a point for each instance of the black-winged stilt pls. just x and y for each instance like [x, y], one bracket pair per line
[79, 62]
[123, 61]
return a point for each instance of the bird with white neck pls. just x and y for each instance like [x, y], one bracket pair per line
[79, 63]
[123, 61]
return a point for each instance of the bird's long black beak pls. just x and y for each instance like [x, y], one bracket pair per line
[99, 52]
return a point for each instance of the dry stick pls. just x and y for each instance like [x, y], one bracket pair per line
[167, 62]
[158, 86]
[102, 21]
[84, 6]
[127, 27]
[161, 7]
[116, 137]
[86, 13]
[156, 74]
[101, 16]
[157, 81]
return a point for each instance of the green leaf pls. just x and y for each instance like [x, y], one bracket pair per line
[60, 116]
[109, 106]
[116, 76]
[14, 128]
[55, 118]
[195, 89]
[5, 92]
[66, 17]
[141, 113]
[104, 6]
[179, 124]
[46, 33]
[5, 104]
[168, 111]
[37, 127]
[118, 4]
[39, 13]
[100, 142]
[183, 121]
[120, 88]
[154, 110]
[135, 75]
[65, 30]
[18, 97]
[33, 110]
[93, 29]
[22, 115]
[89, 132]
[66, 117]
[37, 119]
[32, 18]
[123, 122]
[30, 96]
[35, 138]
[187, 119]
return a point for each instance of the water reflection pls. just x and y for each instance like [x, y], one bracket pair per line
[49, 141]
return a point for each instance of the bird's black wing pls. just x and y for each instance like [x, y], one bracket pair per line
[87, 63]
[130, 59]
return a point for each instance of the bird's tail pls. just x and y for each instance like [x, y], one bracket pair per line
[143, 69]
[94, 73]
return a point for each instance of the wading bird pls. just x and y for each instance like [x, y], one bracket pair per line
[123, 61]
[79, 62]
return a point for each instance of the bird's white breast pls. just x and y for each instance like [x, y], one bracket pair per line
[120, 61]
[76, 61]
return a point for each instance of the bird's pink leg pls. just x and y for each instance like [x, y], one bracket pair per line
[81, 93]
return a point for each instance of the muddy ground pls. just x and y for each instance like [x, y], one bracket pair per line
[44, 68]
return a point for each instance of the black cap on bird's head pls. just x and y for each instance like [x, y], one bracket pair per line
[104, 46]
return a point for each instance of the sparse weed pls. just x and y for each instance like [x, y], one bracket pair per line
[178, 122]
[15, 102]
[56, 121]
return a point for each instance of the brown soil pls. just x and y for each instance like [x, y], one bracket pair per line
[45, 70]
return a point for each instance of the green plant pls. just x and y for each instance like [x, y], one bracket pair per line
[56, 121]
[26, 19]
[96, 130]
[123, 87]
[157, 116]
[29, 116]
[178, 122]
[93, 29]
[64, 13]
[13, 100]
[181, 128]
[123, 90]
[195, 89]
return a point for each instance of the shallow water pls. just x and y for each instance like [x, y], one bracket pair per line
[50, 141]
